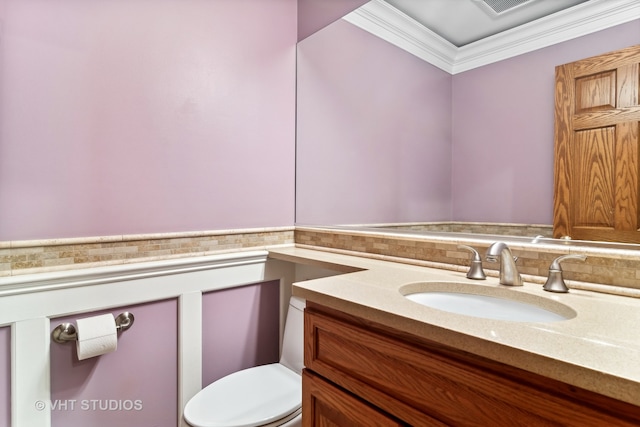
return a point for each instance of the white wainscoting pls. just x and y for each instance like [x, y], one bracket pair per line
[27, 303]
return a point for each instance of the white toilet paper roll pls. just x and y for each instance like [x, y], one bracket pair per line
[96, 335]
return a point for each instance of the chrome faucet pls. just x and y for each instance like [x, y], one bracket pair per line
[508, 271]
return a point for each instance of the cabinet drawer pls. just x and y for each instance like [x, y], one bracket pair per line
[412, 379]
[328, 405]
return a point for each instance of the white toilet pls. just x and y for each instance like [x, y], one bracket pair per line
[266, 395]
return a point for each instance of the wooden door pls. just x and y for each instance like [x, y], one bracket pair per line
[597, 123]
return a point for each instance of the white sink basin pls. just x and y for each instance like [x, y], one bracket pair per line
[488, 303]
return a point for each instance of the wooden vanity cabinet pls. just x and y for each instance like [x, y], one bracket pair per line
[358, 373]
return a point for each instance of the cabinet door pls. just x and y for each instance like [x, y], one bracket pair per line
[597, 122]
[427, 384]
[326, 405]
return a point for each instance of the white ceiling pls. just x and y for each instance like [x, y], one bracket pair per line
[465, 21]
[459, 35]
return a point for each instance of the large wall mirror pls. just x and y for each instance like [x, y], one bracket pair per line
[386, 137]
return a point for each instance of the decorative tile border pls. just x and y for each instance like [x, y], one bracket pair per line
[619, 268]
[39, 256]
[526, 230]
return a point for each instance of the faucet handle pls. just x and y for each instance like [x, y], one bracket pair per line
[555, 281]
[475, 271]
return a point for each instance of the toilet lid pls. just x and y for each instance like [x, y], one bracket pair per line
[247, 398]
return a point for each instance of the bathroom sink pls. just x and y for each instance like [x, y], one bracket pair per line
[487, 302]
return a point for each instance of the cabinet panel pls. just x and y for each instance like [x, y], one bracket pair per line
[328, 406]
[418, 381]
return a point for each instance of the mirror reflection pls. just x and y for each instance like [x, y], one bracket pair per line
[384, 137]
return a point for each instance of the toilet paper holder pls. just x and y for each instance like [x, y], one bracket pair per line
[66, 332]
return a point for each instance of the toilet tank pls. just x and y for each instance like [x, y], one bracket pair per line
[293, 340]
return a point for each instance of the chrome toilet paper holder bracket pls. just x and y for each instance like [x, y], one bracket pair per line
[66, 332]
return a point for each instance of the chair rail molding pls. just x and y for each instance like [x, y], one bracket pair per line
[40, 282]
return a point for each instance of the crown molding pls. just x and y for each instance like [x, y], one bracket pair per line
[385, 21]
[388, 23]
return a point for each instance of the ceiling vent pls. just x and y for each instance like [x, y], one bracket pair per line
[502, 6]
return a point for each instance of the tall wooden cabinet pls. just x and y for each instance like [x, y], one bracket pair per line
[358, 373]
[597, 134]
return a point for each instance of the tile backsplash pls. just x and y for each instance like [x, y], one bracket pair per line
[605, 270]
[527, 230]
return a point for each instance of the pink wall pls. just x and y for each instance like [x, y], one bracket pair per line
[5, 376]
[314, 15]
[144, 117]
[373, 132]
[503, 130]
[240, 329]
[141, 376]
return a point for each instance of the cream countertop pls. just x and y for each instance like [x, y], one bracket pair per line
[598, 349]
